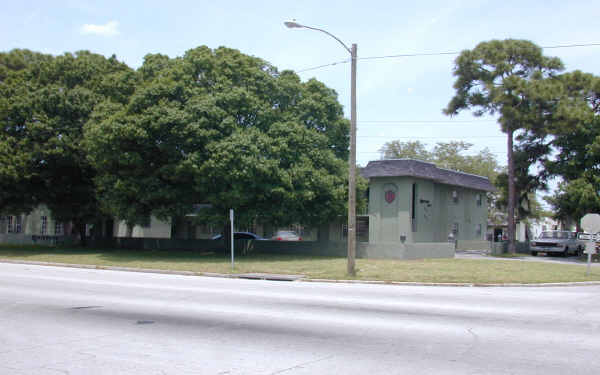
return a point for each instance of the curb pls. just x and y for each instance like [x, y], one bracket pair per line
[278, 277]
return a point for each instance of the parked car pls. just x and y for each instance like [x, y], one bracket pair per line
[241, 236]
[286, 235]
[557, 242]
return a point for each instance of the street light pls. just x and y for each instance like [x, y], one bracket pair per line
[352, 161]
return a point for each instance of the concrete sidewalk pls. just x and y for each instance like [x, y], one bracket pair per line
[480, 254]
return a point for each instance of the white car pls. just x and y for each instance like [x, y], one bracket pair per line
[556, 242]
[286, 235]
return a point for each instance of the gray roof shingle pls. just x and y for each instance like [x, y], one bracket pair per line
[421, 169]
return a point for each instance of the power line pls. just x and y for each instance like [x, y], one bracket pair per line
[458, 52]
[379, 152]
[425, 122]
[433, 137]
[421, 54]
[323, 66]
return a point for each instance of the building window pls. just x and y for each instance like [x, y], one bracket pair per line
[18, 224]
[479, 200]
[58, 228]
[455, 230]
[455, 196]
[478, 229]
[44, 227]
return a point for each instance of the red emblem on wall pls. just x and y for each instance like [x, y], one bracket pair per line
[390, 196]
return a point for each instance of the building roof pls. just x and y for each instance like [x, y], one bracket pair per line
[421, 169]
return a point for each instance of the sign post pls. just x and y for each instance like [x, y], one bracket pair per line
[231, 221]
[591, 224]
[590, 248]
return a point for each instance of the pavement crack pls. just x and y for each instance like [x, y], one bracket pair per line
[85, 307]
[91, 355]
[302, 364]
[66, 372]
[473, 343]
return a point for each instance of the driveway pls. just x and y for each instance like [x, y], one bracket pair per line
[480, 254]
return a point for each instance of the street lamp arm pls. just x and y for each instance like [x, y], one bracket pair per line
[294, 24]
[331, 35]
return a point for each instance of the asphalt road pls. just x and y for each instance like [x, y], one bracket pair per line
[77, 321]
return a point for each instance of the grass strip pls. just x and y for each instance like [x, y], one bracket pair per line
[477, 271]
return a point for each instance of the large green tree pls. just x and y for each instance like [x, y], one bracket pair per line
[223, 128]
[573, 134]
[45, 103]
[19, 186]
[501, 78]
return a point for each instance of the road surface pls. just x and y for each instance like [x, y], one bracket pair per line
[77, 321]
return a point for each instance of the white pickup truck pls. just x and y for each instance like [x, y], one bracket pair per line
[557, 242]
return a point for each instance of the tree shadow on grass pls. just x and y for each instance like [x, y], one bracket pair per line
[192, 260]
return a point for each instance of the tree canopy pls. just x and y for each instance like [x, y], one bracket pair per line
[223, 128]
[87, 136]
[572, 138]
[46, 101]
[510, 79]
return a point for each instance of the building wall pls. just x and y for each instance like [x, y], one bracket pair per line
[435, 214]
[388, 221]
[31, 224]
[156, 229]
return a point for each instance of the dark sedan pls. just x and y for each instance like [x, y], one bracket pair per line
[241, 236]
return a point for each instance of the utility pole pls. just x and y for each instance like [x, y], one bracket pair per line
[352, 171]
[351, 269]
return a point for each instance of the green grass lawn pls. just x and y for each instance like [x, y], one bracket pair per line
[425, 270]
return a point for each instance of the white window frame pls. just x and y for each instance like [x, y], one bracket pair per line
[9, 225]
[58, 228]
[18, 224]
[44, 225]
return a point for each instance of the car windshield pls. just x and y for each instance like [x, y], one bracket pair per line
[554, 235]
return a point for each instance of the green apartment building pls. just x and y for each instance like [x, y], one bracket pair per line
[417, 210]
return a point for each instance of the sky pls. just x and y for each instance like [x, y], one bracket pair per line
[397, 98]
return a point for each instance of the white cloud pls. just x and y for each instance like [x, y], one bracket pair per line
[111, 28]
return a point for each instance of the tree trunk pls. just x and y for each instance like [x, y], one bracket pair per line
[80, 228]
[175, 227]
[511, 194]
[129, 231]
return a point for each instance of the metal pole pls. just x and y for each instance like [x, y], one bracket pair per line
[231, 221]
[352, 170]
[589, 264]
